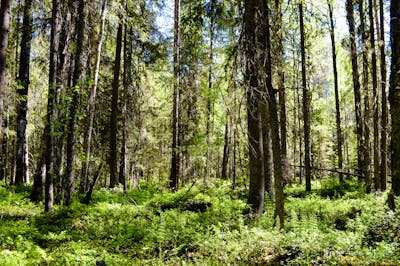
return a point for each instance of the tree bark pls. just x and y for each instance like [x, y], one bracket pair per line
[91, 105]
[114, 110]
[356, 84]
[337, 102]
[76, 82]
[375, 109]
[384, 119]
[5, 14]
[395, 94]
[175, 158]
[306, 105]
[22, 175]
[366, 137]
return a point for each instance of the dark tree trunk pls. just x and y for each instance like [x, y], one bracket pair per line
[21, 175]
[395, 94]
[40, 173]
[84, 186]
[366, 138]
[76, 82]
[356, 84]
[375, 109]
[114, 110]
[306, 105]
[268, 162]
[384, 119]
[225, 157]
[50, 128]
[5, 15]
[337, 103]
[251, 41]
[175, 158]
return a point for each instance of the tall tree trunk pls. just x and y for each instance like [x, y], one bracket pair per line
[366, 138]
[40, 173]
[384, 119]
[76, 82]
[5, 15]
[268, 161]
[175, 158]
[114, 109]
[21, 175]
[50, 128]
[306, 104]
[375, 109]
[84, 186]
[337, 102]
[356, 84]
[395, 94]
[251, 41]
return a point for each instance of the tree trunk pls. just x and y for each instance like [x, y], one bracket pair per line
[366, 138]
[375, 109]
[21, 175]
[175, 158]
[306, 105]
[5, 15]
[384, 119]
[356, 84]
[395, 94]
[76, 82]
[225, 157]
[84, 186]
[40, 173]
[337, 103]
[114, 110]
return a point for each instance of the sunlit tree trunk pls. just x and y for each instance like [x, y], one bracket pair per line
[22, 175]
[91, 105]
[336, 85]
[76, 82]
[395, 94]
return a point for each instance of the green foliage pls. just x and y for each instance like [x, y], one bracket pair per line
[149, 226]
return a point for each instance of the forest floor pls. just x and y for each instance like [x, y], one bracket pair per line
[335, 225]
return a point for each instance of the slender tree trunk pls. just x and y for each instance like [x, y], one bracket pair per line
[395, 94]
[40, 174]
[384, 119]
[91, 105]
[5, 156]
[268, 162]
[21, 175]
[51, 114]
[366, 138]
[175, 158]
[306, 104]
[337, 102]
[356, 84]
[225, 157]
[114, 110]
[5, 15]
[76, 82]
[375, 109]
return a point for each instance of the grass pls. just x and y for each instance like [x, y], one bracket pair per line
[335, 225]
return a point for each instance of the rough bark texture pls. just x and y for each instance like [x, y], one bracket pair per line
[395, 94]
[175, 158]
[384, 119]
[356, 83]
[251, 41]
[76, 82]
[5, 14]
[337, 102]
[21, 175]
[306, 105]
[114, 110]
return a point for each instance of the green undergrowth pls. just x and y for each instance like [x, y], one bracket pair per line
[334, 225]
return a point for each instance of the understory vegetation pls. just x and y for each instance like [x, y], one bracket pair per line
[334, 225]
